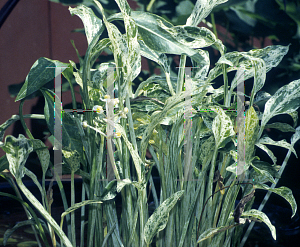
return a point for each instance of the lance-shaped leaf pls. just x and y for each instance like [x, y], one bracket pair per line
[285, 100]
[263, 217]
[159, 219]
[295, 136]
[41, 72]
[282, 191]
[92, 24]
[251, 131]
[267, 140]
[159, 58]
[152, 29]
[222, 128]
[209, 233]
[284, 127]
[201, 10]
[112, 188]
[193, 37]
[268, 151]
[17, 151]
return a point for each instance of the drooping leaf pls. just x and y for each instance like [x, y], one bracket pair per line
[241, 205]
[267, 140]
[41, 72]
[209, 233]
[284, 127]
[285, 100]
[282, 191]
[268, 151]
[159, 219]
[263, 217]
[92, 24]
[17, 151]
[295, 136]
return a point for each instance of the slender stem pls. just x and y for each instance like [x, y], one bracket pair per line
[169, 83]
[73, 213]
[266, 198]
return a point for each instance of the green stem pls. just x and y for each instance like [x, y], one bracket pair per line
[169, 83]
[73, 213]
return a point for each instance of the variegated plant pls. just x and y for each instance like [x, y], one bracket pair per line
[182, 127]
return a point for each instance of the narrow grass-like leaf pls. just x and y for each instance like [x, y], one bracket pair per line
[159, 219]
[284, 192]
[76, 206]
[213, 231]
[39, 74]
[251, 131]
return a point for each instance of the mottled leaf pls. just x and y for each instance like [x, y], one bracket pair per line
[285, 100]
[282, 191]
[222, 128]
[284, 127]
[41, 72]
[159, 219]
[201, 10]
[92, 24]
[263, 217]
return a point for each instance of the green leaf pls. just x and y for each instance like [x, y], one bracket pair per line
[20, 224]
[263, 217]
[201, 10]
[213, 231]
[152, 29]
[222, 128]
[39, 75]
[3, 163]
[70, 136]
[43, 154]
[76, 206]
[268, 151]
[92, 24]
[285, 100]
[267, 140]
[284, 127]
[159, 219]
[17, 151]
[284, 192]
[192, 37]
[295, 136]
[265, 173]
[251, 131]
[72, 157]
[112, 188]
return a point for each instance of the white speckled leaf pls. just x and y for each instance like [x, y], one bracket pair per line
[222, 128]
[201, 10]
[251, 131]
[213, 231]
[268, 151]
[17, 151]
[43, 154]
[193, 37]
[294, 116]
[295, 136]
[282, 191]
[159, 219]
[92, 24]
[263, 217]
[282, 143]
[285, 100]
[159, 58]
